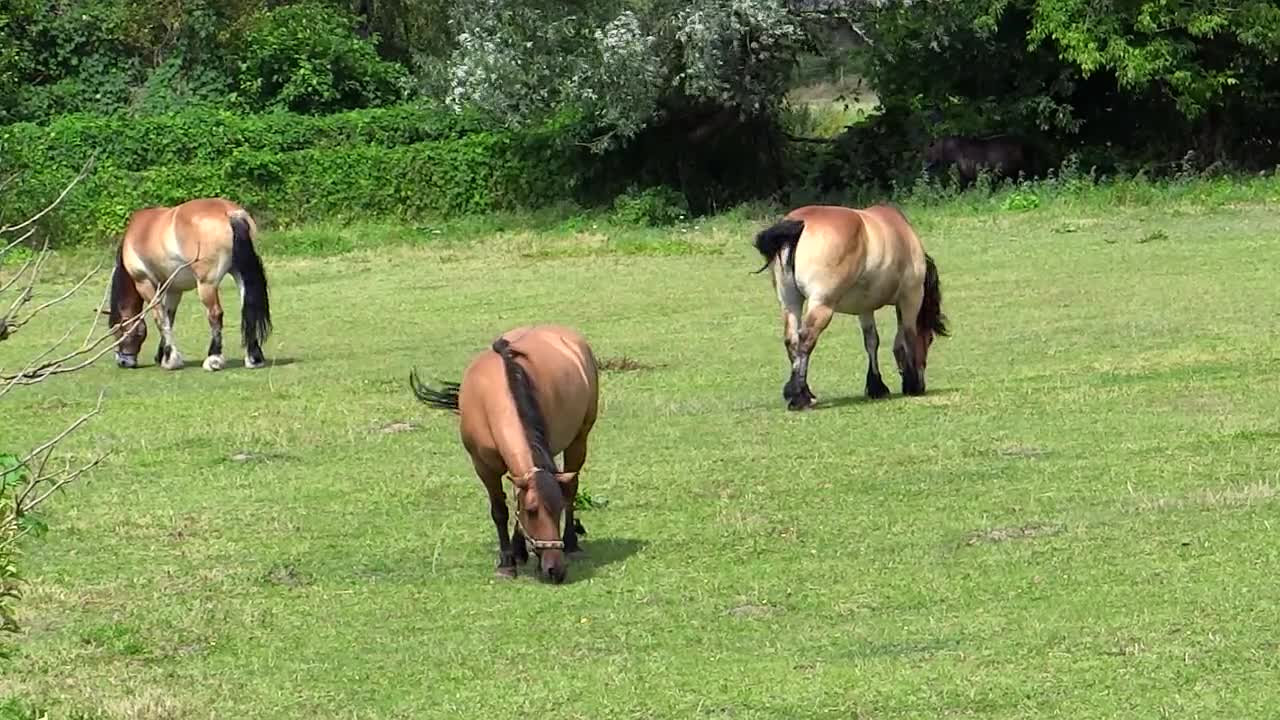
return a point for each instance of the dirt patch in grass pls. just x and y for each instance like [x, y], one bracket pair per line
[998, 535]
[285, 575]
[752, 611]
[1018, 450]
[245, 456]
[623, 363]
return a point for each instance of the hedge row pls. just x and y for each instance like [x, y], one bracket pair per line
[399, 162]
[208, 135]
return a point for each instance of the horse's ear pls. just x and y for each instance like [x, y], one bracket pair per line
[568, 481]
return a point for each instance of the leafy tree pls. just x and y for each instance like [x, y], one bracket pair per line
[623, 65]
[307, 58]
[1155, 78]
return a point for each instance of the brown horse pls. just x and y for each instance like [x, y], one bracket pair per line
[196, 244]
[529, 398]
[1004, 156]
[852, 261]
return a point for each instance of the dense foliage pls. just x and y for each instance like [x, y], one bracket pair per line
[1120, 82]
[408, 162]
[689, 95]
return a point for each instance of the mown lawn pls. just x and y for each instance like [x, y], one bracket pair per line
[1078, 521]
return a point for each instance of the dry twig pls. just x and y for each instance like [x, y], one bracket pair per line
[38, 369]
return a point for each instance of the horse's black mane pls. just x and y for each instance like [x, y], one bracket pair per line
[534, 424]
[121, 283]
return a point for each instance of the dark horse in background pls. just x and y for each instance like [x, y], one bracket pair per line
[1004, 156]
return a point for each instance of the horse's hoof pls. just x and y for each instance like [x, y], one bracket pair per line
[801, 403]
[175, 361]
[877, 390]
[252, 365]
[214, 363]
[506, 573]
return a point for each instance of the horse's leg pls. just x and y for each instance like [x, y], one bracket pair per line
[575, 456]
[904, 346]
[519, 548]
[501, 517]
[871, 340]
[147, 291]
[792, 307]
[797, 389]
[167, 355]
[213, 309]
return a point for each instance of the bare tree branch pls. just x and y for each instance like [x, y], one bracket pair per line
[39, 478]
[88, 352]
[16, 242]
[33, 480]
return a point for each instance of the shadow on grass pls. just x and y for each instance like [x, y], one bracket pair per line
[583, 565]
[233, 363]
[848, 400]
[599, 553]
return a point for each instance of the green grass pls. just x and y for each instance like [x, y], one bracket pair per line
[1078, 520]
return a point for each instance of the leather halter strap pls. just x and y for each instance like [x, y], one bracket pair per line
[535, 543]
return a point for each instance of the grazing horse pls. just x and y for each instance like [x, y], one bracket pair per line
[192, 245]
[1002, 155]
[531, 396]
[852, 261]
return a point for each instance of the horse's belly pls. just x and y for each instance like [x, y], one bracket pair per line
[183, 279]
[865, 297]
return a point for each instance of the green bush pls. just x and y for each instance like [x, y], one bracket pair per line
[653, 207]
[13, 476]
[307, 58]
[405, 162]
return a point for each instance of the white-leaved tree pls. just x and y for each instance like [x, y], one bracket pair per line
[622, 66]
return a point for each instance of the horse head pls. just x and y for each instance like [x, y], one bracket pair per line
[540, 505]
[124, 313]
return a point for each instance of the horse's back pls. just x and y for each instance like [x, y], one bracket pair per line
[560, 353]
[163, 239]
[833, 238]
[562, 368]
[856, 259]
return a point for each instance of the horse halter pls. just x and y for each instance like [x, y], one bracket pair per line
[535, 543]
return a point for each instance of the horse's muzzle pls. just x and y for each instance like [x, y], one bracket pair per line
[126, 361]
[554, 575]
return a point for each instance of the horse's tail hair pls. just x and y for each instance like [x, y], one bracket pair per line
[445, 398]
[780, 237]
[931, 317]
[255, 310]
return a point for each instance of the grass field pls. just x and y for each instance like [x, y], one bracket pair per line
[1078, 521]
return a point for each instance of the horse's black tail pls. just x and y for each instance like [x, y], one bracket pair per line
[255, 305]
[445, 398]
[780, 236]
[931, 317]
